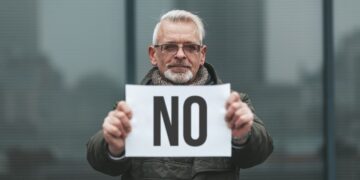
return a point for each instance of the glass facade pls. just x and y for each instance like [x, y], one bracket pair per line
[63, 63]
[61, 69]
[347, 88]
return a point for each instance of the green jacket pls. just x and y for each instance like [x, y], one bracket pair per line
[256, 150]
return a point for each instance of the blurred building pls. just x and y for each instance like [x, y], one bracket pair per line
[18, 30]
[235, 39]
[347, 66]
[18, 39]
[45, 124]
[29, 86]
[347, 90]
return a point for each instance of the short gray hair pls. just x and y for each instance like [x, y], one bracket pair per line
[180, 16]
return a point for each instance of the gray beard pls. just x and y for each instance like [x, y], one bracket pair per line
[178, 77]
[200, 78]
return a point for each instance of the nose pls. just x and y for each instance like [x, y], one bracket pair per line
[180, 54]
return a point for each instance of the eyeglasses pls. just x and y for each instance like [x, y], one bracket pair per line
[172, 49]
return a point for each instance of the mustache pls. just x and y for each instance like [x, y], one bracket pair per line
[179, 64]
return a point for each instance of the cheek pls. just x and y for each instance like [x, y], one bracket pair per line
[161, 64]
[199, 61]
[195, 67]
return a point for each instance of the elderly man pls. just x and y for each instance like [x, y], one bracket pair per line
[178, 56]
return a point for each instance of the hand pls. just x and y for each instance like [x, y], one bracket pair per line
[116, 127]
[239, 116]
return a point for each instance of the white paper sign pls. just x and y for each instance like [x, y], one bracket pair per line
[178, 121]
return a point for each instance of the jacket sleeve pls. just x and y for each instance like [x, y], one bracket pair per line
[99, 159]
[259, 145]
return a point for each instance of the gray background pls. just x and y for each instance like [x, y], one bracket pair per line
[62, 66]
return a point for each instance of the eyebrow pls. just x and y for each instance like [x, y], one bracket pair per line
[186, 42]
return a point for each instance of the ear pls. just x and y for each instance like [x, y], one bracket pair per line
[203, 54]
[152, 53]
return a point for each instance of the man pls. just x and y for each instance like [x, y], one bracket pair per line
[178, 56]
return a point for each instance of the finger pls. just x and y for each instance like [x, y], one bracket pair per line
[241, 122]
[124, 120]
[112, 130]
[241, 116]
[108, 137]
[124, 107]
[127, 125]
[232, 109]
[237, 114]
[116, 142]
[119, 125]
[234, 96]
[115, 121]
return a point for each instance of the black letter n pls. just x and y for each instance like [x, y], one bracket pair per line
[172, 127]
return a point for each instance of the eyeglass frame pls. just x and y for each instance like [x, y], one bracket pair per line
[179, 45]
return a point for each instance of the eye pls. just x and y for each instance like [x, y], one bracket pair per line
[169, 47]
[191, 47]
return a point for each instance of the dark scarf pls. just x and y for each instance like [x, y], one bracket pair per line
[200, 79]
